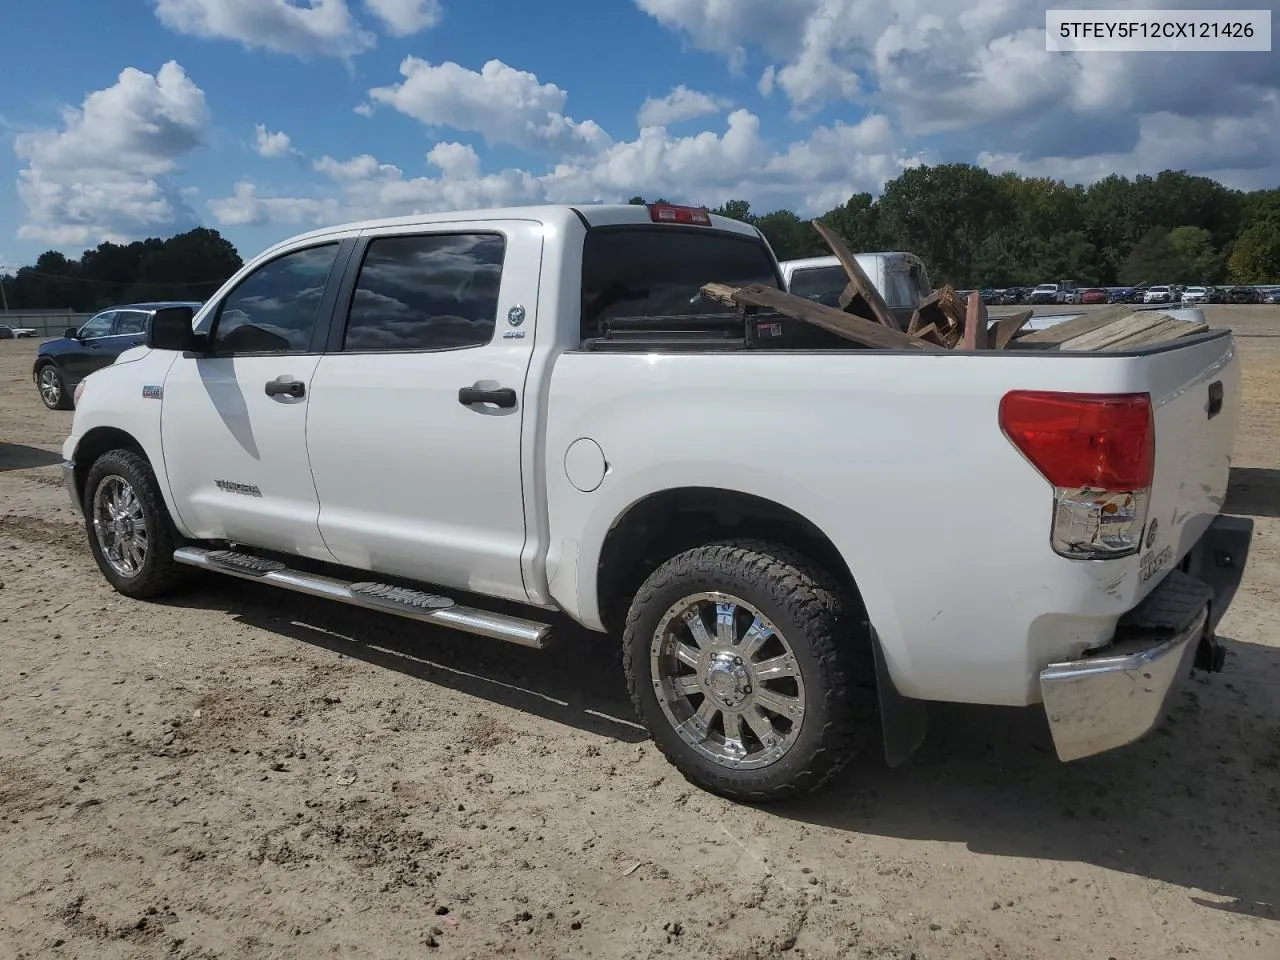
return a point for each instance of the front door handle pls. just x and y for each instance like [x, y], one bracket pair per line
[286, 388]
[502, 397]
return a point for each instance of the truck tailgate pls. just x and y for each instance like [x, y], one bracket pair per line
[1195, 397]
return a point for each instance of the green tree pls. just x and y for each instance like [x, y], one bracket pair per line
[735, 210]
[857, 222]
[789, 236]
[1256, 255]
[1197, 260]
[943, 214]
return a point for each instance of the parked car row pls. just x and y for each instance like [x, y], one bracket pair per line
[1068, 293]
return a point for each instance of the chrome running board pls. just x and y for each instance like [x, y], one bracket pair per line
[402, 601]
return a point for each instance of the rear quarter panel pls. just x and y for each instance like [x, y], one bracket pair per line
[898, 458]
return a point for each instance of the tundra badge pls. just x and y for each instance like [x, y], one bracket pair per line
[231, 486]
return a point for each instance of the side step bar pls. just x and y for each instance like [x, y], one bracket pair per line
[401, 601]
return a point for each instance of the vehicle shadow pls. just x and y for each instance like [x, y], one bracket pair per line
[19, 456]
[1193, 804]
[1253, 492]
[577, 681]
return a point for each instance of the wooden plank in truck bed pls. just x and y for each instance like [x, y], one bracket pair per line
[847, 325]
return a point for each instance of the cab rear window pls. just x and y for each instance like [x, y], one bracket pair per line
[658, 271]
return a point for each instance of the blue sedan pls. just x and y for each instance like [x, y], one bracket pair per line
[63, 362]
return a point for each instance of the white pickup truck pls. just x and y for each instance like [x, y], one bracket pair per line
[798, 543]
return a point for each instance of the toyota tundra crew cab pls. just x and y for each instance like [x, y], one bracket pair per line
[797, 542]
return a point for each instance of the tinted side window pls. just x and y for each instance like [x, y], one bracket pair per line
[99, 326]
[130, 322]
[821, 284]
[426, 293]
[274, 309]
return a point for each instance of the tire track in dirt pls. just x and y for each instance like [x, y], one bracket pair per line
[60, 534]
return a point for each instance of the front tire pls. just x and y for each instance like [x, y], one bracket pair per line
[130, 533]
[749, 671]
[53, 388]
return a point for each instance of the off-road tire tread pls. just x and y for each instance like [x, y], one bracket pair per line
[828, 618]
[161, 574]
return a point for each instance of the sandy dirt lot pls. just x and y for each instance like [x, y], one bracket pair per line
[239, 772]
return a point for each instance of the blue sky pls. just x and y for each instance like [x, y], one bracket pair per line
[263, 118]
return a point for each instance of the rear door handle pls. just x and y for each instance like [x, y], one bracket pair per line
[502, 397]
[286, 388]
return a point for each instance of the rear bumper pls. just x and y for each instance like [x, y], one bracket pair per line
[1122, 691]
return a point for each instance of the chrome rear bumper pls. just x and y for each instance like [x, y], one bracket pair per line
[1123, 691]
[1104, 702]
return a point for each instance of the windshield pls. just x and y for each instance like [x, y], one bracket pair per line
[657, 271]
[1159, 289]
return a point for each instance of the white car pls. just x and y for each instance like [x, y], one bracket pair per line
[1158, 295]
[1195, 295]
[534, 408]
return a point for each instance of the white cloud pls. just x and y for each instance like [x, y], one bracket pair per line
[812, 175]
[368, 188]
[502, 104]
[302, 28]
[975, 71]
[679, 105]
[105, 174]
[1237, 151]
[402, 18]
[458, 161]
[271, 145]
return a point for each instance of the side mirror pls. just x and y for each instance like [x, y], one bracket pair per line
[71, 333]
[170, 329]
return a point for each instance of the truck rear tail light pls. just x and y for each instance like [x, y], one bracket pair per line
[1098, 452]
[670, 213]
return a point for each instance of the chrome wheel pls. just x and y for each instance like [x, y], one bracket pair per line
[50, 386]
[727, 681]
[120, 526]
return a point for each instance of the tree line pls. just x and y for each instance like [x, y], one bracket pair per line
[974, 228]
[971, 227]
[188, 266]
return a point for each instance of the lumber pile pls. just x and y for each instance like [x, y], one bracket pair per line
[942, 321]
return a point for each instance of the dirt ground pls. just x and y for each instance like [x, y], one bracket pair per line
[242, 773]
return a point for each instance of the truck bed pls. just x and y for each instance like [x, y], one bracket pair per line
[898, 457]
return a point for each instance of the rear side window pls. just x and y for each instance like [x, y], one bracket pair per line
[130, 322]
[435, 292]
[907, 284]
[658, 271]
[820, 284]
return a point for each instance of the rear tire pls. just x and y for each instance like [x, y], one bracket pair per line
[748, 718]
[130, 533]
[53, 388]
